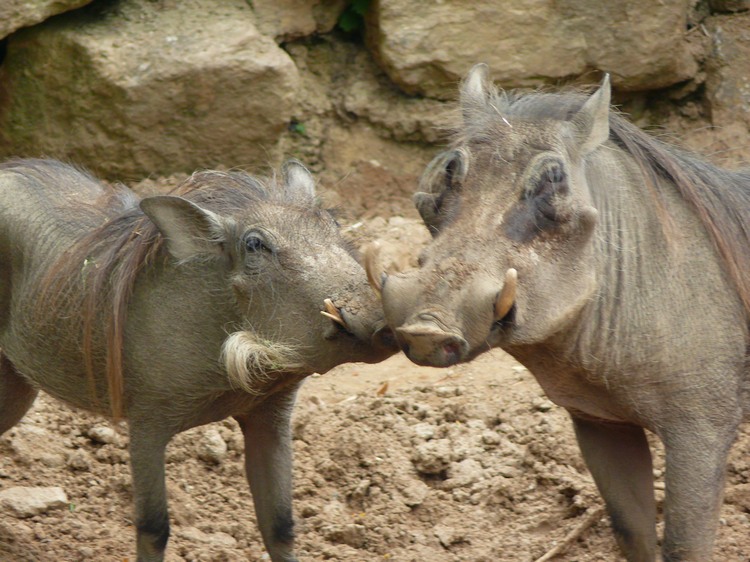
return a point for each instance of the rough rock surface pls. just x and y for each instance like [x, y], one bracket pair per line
[15, 14]
[147, 90]
[22, 501]
[427, 49]
[728, 69]
[291, 19]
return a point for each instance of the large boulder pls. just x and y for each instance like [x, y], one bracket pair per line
[426, 49]
[291, 19]
[15, 14]
[136, 88]
[727, 70]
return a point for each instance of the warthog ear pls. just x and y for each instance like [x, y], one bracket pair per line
[426, 204]
[297, 178]
[189, 230]
[591, 123]
[444, 174]
[475, 90]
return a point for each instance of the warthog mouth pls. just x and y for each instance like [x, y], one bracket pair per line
[507, 321]
[382, 336]
[339, 325]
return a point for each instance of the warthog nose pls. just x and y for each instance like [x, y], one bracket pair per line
[427, 344]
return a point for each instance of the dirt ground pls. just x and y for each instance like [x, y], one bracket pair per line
[392, 462]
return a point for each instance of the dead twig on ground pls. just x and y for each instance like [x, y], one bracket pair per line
[589, 520]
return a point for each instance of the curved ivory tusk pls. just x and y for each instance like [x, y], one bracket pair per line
[372, 267]
[332, 312]
[506, 297]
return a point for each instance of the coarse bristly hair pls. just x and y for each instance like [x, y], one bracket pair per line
[251, 361]
[109, 259]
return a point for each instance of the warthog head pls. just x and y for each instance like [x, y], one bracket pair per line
[509, 208]
[301, 298]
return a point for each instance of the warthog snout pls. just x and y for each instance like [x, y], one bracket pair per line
[418, 306]
[426, 343]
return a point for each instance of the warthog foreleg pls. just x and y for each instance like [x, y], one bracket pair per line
[619, 459]
[696, 459]
[16, 395]
[149, 488]
[268, 466]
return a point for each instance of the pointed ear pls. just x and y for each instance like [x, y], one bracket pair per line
[189, 230]
[591, 123]
[297, 178]
[426, 204]
[475, 89]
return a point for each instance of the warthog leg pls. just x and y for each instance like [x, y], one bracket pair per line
[696, 458]
[268, 467]
[148, 441]
[619, 459]
[16, 395]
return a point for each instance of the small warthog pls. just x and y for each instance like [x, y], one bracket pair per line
[616, 268]
[182, 309]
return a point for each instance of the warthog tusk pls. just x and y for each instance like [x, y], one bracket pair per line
[372, 265]
[507, 296]
[332, 312]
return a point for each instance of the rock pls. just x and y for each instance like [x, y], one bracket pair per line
[739, 495]
[463, 473]
[424, 431]
[406, 118]
[52, 460]
[526, 43]
[350, 534]
[218, 539]
[448, 391]
[507, 471]
[212, 448]
[286, 20]
[415, 492]
[79, 460]
[15, 14]
[155, 92]
[25, 502]
[727, 70]
[86, 552]
[447, 535]
[33, 443]
[111, 454]
[542, 405]
[432, 457]
[102, 434]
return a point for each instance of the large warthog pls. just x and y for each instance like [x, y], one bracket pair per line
[616, 268]
[183, 309]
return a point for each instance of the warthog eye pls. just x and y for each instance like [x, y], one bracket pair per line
[254, 243]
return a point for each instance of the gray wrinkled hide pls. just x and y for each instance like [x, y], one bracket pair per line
[236, 260]
[625, 310]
